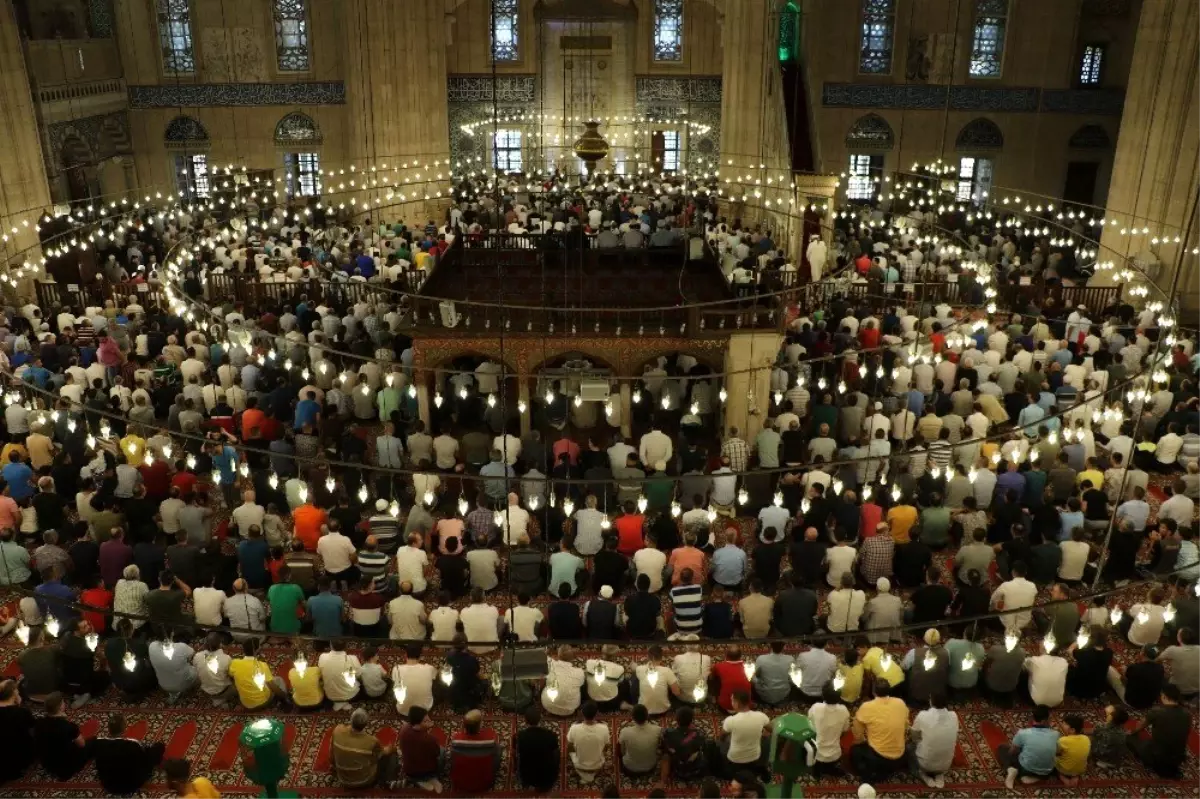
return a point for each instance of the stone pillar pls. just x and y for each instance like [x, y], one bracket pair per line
[396, 101]
[750, 350]
[25, 194]
[1155, 177]
[523, 396]
[424, 403]
[626, 399]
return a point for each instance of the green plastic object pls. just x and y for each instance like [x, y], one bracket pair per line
[264, 759]
[789, 733]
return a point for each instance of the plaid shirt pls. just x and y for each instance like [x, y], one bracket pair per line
[908, 271]
[480, 520]
[738, 452]
[876, 557]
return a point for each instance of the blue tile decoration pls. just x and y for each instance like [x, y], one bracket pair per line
[237, 94]
[100, 19]
[105, 135]
[999, 99]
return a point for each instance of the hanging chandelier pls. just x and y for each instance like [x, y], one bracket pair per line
[591, 147]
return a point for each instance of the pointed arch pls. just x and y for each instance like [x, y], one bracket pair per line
[870, 132]
[185, 131]
[979, 134]
[297, 128]
[1090, 137]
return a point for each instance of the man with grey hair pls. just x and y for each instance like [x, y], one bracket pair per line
[361, 760]
[50, 554]
[244, 611]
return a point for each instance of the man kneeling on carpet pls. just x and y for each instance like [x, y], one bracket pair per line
[360, 760]
[124, 764]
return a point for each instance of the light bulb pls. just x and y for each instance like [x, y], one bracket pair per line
[1082, 638]
[71, 425]
[885, 662]
[521, 406]
[996, 457]
[549, 397]
[973, 474]
[52, 626]
[301, 664]
[213, 663]
[699, 691]
[1115, 615]
[168, 650]
[491, 401]
[568, 506]
[968, 661]
[191, 461]
[463, 506]
[427, 498]
[349, 678]
[605, 523]
[1033, 455]
[598, 674]
[778, 397]
[91, 441]
[462, 393]
[166, 451]
[796, 674]
[929, 661]
[866, 492]
[748, 669]
[91, 639]
[400, 691]
[723, 394]
[608, 408]
[303, 493]
[778, 500]
[363, 494]
[676, 510]
[637, 396]
[1050, 643]
[1010, 641]
[1169, 613]
[711, 514]
[935, 472]
[666, 402]
[533, 502]
[260, 680]
[1143, 617]
[497, 518]
[437, 399]
[652, 677]
[1053, 437]
[412, 391]
[552, 692]
[821, 384]
[23, 633]
[148, 459]
[129, 661]
[273, 480]
[394, 508]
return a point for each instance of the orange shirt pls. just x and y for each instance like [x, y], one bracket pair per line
[306, 525]
[902, 518]
[252, 418]
[687, 558]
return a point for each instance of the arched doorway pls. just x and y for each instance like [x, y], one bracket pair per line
[79, 168]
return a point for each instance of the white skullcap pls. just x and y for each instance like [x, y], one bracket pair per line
[381, 505]
[606, 591]
[866, 792]
[883, 584]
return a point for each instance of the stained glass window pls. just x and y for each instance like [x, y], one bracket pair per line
[878, 29]
[974, 179]
[193, 175]
[987, 46]
[668, 30]
[504, 30]
[291, 36]
[297, 127]
[789, 32]
[861, 183]
[506, 151]
[175, 36]
[1091, 64]
[670, 151]
[303, 171]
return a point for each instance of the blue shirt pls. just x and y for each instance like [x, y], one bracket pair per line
[773, 676]
[1039, 747]
[38, 375]
[916, 402]
[326, 612]
[1063, 357]
[563, 568]
[1136, 511]
[496, 487]
[306, 413]
[729, 565]
[48, 600]
[1030, 417]
[252, 558]
[1070, 520]
[226, 460]
[1014, 481]
[18, 475]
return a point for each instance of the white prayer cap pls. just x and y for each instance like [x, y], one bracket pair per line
[606, 591]
[865, 791]
[381, 505]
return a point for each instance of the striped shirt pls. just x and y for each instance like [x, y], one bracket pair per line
[686, 600]
[374, 565]
[939, 455]
[386, 530]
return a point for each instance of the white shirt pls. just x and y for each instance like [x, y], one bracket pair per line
[650, 562]
[207, 604]
[1074, 560]
[745, 735]
[212, 682]
[524, 620]
[841, 560]
[336, 551]
[479, 625]
[407, 615]
[1016, 593]
[1149, 631]
[655, 446]
[569, 680]
[334, 666]
[1047, 679]
[607, 690]
[590, 741]
[169, 510]
[509, 446]
[1179, 507]
[418, 680]
[939, 735]
[656, 698]
[443, 620]
[845, 609]
[830, 722]
[515, 523]
[247, 515]
[410, 565]
[1168, 448]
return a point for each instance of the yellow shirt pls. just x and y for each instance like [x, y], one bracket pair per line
[306, 690]
[1092, 476]
[902, 518]
[988, 448]
[883, 722]
[871, 661]
[242, 671]
[201, 788]
[134, 449]
[13, 447]
[1073, 751]
[853, 675]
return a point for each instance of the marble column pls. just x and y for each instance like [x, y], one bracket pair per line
[523, 397]
[748, 363]
[396, 102]
[424, 404]
[24, 190]
[1155, 176]
[626, 399]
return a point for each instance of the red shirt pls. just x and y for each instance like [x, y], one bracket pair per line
[629, 533]
[733, 678]
[98, 598]
[939, 341]
[871, 515]
[185, 482]
[306, 525]
[252, 418]
[419, 751]
[156, 478]
[869, 337]
[568, 446]
[863, 264]
[473, 762]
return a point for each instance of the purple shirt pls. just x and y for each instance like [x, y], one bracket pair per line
[1010, 480]
[115, 555]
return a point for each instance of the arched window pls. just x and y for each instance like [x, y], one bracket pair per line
[175, 37]
[979, 134]
[870, 132]
[1090, 137]
[291, 36]
[185, 131]
[504, 30]
[789, 32]
[191, 168]
[297, 128]
[668, 30]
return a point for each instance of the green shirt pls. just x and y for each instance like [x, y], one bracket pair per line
[956, 649]
[660, 491]
[935, 525]
[284, 598]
